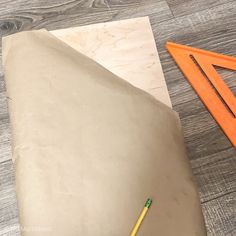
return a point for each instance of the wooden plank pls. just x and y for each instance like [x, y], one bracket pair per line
[19, 15]
[8, 207]
[5, 147]
[220, 215]
[215, 174]
[186, 7]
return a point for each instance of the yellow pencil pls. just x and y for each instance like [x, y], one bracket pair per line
[141, 217]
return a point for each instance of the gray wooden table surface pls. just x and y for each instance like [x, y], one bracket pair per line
[207, 24]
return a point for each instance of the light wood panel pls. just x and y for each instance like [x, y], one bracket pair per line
[126, 48]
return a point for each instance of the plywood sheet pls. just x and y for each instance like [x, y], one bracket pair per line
[127, 48]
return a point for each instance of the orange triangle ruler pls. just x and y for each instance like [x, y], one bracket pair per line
[198, 66]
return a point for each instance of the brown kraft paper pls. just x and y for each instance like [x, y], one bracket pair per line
[89, 148]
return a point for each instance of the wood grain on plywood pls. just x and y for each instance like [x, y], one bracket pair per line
[107, 43]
